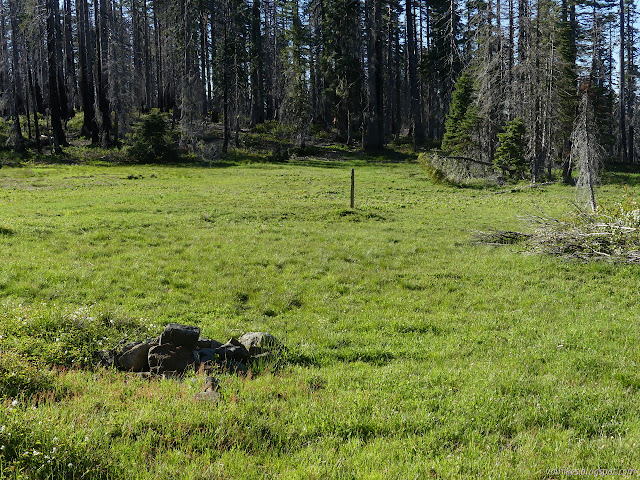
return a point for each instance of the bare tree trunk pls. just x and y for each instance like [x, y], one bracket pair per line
[85, 64]
[4, 58]
[373, 138]
[147, 59]
[623, 128]
[100, 10]
[70, 64]
[416, 112]
[257, 67]
[59, 139]
[204, 56]
[18, 140]
[586, 153]
[160, 89]
[225, 78]
[32, 93]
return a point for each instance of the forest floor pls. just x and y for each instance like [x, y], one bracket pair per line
[412, 352]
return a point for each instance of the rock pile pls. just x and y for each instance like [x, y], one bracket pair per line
[179, 348]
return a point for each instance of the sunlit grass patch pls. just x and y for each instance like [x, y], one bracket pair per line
[410, 352]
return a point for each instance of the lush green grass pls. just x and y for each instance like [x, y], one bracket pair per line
[413, 354]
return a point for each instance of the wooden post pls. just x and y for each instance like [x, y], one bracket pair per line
[353, 183]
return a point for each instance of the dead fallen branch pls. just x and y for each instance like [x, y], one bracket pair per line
[612, 235]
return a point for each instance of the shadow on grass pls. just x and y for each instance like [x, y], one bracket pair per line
[321, 155]
[375, 358]
[622, 174]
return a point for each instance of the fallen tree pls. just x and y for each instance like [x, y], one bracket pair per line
[611, 234]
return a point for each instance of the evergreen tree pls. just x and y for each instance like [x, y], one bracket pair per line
[462, 117]
[510, 154]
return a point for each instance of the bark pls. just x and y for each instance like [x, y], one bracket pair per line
[70, 64]
[374, 133]
[416, 111]
[159, 61]
[59, 139]
[225, 78]
[257, 67]
[85, 65]
[623, 127]
[100, 10]
[32, 93]
[18, 140]
[147, 59]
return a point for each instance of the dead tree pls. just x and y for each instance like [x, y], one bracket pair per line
[586, 152]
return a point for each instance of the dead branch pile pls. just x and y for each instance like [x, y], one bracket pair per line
[499, 237]
[611, 235]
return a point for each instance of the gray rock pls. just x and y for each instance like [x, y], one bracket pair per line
[180, 336]
[211, 383]
[233, 350]
[209, 396]
[106, 358]
[259, 342]
[168, 358]
[210, 393]
[134, 357]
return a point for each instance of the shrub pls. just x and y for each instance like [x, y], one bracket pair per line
[152, 142]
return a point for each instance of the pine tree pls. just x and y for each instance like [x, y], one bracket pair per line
[462, 117]
[510, 154]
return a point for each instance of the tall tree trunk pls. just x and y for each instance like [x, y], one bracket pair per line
[65, 110]
[18, 140]
[204, 56]
[257, 66]
[225, 78]
[623, 127]
[416, 111]
[85, 65]
[523, 25]
[59, 139]
[159, 61]
[147, 59]
[100, 10]
[32, 93]
[4, 58]
[373, 138]
[70, 64]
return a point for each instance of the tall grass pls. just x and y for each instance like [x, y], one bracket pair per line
[412, 352]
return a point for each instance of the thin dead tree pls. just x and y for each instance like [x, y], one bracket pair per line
[586, 153]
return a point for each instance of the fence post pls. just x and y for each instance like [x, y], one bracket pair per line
[353, 183]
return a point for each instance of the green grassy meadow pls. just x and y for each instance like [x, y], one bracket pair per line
[412, 353]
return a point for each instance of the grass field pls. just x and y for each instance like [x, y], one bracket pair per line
[412, 353]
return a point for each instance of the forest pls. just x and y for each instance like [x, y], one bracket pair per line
[497, 81]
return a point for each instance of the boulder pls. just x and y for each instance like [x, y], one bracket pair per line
[233, 350]
[258, 342]
[180, 336]
[168, 358]
[134, 357]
